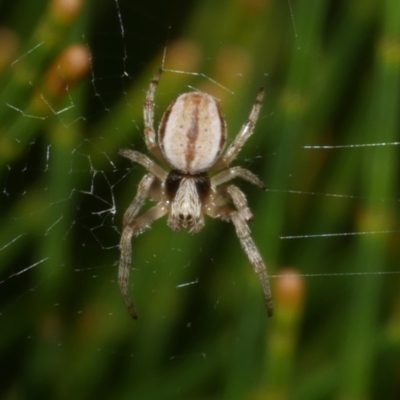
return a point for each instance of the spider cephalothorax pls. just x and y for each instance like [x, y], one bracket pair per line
[191, 139]
[187, 195]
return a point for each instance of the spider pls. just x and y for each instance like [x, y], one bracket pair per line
[191, 137]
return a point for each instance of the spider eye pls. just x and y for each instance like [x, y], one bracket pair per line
[185, 218]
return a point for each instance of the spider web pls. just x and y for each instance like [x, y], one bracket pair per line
[64, 190]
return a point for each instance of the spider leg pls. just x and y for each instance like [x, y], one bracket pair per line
[148, 115]
[239, 201]
[219, 207]
[145, 161]
[143, 192]
[236, 172]
[249, 247]
[244, 133]
[238, 217]
[134, 226]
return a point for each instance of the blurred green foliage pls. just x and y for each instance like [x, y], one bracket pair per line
[73, 81]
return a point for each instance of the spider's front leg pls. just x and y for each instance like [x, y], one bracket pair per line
[239, 217]
[134, 226]
[249, 247]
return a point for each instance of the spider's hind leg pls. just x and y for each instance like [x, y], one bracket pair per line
[150, 136]
[144, 161]
[237, 172]
[245, 132]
